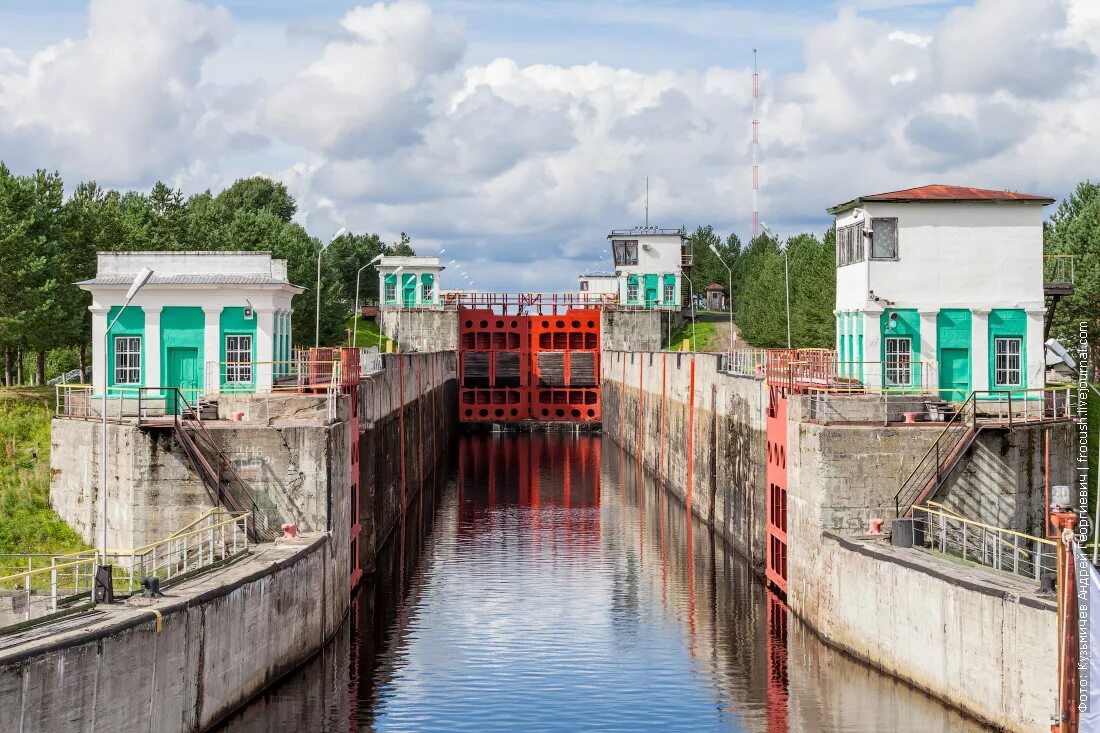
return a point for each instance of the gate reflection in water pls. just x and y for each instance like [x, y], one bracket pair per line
[559, 589]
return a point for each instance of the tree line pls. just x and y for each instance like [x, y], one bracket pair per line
[759, 284]
[49, 241]
[1074, 229]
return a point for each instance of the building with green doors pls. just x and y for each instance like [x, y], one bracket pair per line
[649, 266]
[206, 322]
[940, 289]
[409, 282]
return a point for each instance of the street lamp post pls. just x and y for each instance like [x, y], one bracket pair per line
[139, 281]
[355, 317]
[317, 322]
[729, 293]
[400, 306]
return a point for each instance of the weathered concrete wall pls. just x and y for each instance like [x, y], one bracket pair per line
[985, 646]
[212, 653]
[409, 416]
[151, 488]
[727, 436]
[422, 330]
[636, 330]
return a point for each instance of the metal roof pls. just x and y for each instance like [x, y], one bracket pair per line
[200, 279]
[943, 193]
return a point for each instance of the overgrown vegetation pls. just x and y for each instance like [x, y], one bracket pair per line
[27, 524]
[700, 336]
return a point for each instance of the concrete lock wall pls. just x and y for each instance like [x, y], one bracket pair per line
[408, 418]
[421, 330]
[636, 330]
[986, 651]
[209, 656]
[727, 439]
[215, 652]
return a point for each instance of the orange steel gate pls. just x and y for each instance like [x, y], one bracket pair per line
[516, 368]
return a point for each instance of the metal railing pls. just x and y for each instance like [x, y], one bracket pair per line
[745, 362]
[947, 533]
[1058, 269]
[213, 539]
[982, 409]
[937, 461]
[39, 587]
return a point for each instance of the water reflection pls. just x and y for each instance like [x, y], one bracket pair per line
[559, 589]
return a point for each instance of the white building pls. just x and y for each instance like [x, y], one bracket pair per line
[409, 282]
[598, 282]
[941, 287]
[649, 265]
[204, 322]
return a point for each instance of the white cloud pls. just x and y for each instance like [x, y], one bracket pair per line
[124, 103]
[378, 122]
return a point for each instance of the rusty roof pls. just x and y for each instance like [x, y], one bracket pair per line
[939, 192]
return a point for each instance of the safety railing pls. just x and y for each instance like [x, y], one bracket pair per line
[1011, 407]
[937, 461]
[299, 375]
[39, 587]
[1058, 270]
[942, 531]
[530, 303]
[215, 538]
[887, 407]
[744, 362]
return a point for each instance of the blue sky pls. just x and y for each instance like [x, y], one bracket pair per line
[517, 133]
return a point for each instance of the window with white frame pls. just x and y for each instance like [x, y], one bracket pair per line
[584, 286]
[426, 293]
[670, 292]
[391, 291]
[127, 359]
[238, 358]
[1006, 362]
[898, 361]
[884, 238]
[631, 291]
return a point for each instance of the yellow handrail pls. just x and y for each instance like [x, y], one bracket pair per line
[46, 569]
[983, 525]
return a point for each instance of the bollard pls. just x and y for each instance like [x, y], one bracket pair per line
[290, 531]
[910, 418]
[876, 526]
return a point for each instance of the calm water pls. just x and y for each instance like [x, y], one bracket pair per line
[541, 584]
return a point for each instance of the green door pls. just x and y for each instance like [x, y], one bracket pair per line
[408, 291]
[183, 373]
[953, 331]
[651, 291]
[954, 374]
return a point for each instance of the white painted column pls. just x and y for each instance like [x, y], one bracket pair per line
[929, 368]
[1036, 350]
[152, 377]
[872, 345]
[99, 329]
[212, 349]
[979, 349]
[265, 351]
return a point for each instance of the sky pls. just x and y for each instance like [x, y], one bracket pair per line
[516, 135]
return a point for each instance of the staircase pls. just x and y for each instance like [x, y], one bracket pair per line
[941, 458]
[223, 484]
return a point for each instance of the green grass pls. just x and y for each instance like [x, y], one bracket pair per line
[705, 333]
[27, 523]
[367, 333]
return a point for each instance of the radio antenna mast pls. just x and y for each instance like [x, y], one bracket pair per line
[755, 147]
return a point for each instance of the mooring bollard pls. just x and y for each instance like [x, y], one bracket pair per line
[290, 531]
